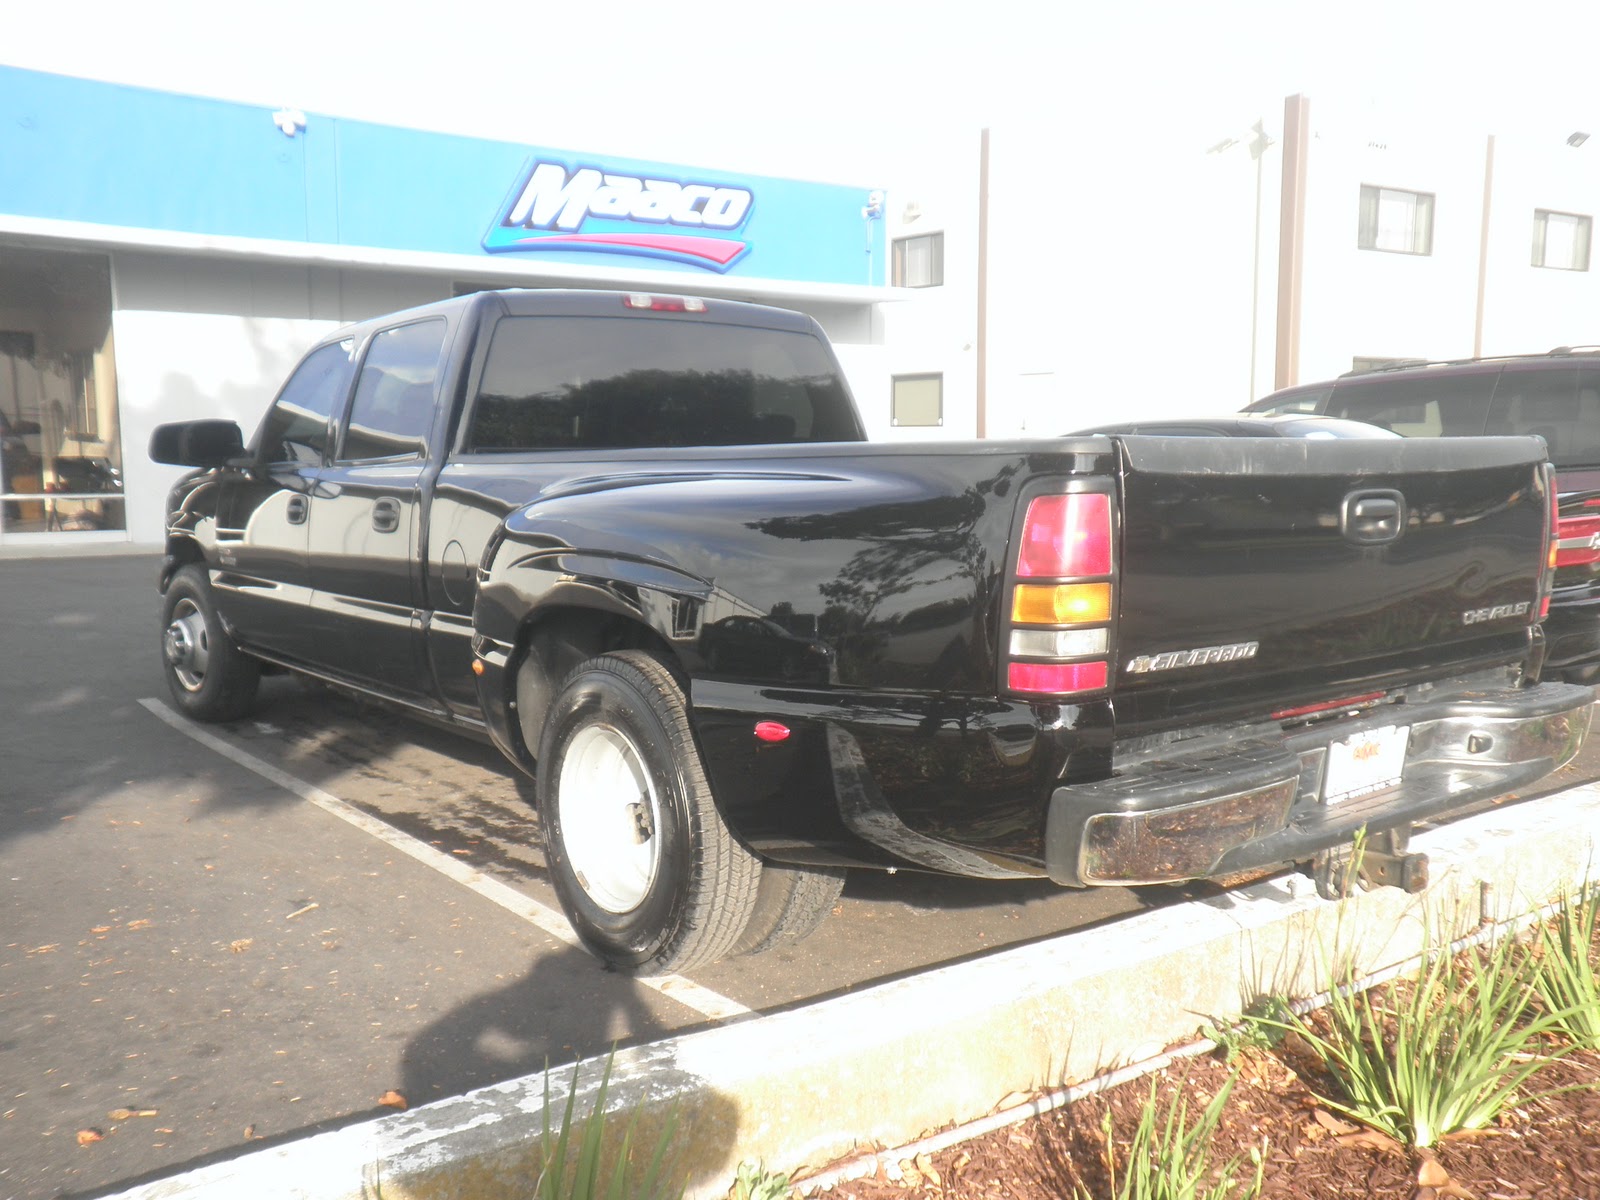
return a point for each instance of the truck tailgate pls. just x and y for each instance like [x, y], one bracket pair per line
[1264, 573]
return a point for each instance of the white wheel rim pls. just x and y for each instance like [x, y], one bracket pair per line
[186, 645]
[610, 818]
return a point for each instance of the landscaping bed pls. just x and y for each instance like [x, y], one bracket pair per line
[1506, 1037]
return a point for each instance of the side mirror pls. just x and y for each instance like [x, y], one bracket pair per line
[196, 443]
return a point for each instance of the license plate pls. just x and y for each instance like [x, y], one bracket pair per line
[1364, 763]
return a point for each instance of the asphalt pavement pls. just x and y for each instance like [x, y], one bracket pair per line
[215, 938]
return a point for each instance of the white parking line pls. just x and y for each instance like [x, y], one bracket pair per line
[684, 991]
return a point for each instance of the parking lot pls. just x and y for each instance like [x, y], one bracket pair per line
[214, 938]
[208, 942]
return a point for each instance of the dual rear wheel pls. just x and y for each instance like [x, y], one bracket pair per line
[648, 873]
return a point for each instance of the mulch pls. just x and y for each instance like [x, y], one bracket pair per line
[1543, 1148]
[1547, 1149]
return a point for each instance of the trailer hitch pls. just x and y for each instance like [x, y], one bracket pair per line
[1379, 860]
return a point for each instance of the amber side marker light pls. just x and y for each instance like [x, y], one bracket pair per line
[477, 666]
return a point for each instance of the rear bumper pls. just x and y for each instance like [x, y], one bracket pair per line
[1234, 802]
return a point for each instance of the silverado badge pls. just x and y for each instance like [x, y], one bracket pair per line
[1201, 657]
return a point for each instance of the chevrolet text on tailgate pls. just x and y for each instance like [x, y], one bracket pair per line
[641, 544]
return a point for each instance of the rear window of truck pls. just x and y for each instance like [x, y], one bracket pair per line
[557, 383]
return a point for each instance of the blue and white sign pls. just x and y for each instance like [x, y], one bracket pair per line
[189, 165]
[597, 209]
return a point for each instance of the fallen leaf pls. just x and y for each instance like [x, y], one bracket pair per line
[249, 1132]
[240, 945]
[909, 1173]
[140, 924]
[124, 1114]
[1373, 1139]
[301, 911]
[1432, 1174]
[1332, 1123]
[88, 1136]
[101, 929]
[925, 1165]
[393, 1099]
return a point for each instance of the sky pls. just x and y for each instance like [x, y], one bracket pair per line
[849, 91]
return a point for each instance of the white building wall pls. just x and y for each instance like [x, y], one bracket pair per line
[1533, 309]
[1120, 273]
[1383, 304]
[934, 330]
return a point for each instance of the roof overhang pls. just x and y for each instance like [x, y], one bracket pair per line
[508, 272]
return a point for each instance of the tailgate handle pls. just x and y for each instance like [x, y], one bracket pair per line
[386, 515]
[1372, 518]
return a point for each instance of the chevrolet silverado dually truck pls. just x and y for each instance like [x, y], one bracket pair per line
[641, 543]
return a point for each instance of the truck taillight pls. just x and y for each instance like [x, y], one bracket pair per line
[1063, 600]
[1553, 537]
[1067, 535]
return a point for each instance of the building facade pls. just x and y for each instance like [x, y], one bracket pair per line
[164, 257]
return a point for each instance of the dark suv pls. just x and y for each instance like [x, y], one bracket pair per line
[1554, 395]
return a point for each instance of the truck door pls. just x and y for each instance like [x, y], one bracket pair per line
[365, 548]
[263, 512]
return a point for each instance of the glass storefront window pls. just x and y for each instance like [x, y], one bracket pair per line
[60, 438]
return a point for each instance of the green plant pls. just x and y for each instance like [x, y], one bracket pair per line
[1447, 1051]
[754, 1182]
[591, 1165]
[1260, 1027]
[1167, 1159]
[1563, 971]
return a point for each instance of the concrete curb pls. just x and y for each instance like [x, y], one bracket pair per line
[891, 1062]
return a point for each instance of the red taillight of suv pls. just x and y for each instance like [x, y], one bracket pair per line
[1062, 599]
[1578, 537]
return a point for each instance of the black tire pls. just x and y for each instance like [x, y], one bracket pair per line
[209, 677]
[790, 903]
[650, 877]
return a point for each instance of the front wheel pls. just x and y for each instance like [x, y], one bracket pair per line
[209, 677]
[650, 877]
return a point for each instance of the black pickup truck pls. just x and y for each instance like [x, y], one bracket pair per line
[641, 543]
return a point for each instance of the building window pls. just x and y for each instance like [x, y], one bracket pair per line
[1560, 240]
[1400, 222]
[60, 439]
[919, 261]
[917, 400]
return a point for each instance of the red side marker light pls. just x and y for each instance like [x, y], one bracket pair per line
[771, 731]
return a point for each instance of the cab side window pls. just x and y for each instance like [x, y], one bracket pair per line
[392, 412]
[296, 427]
